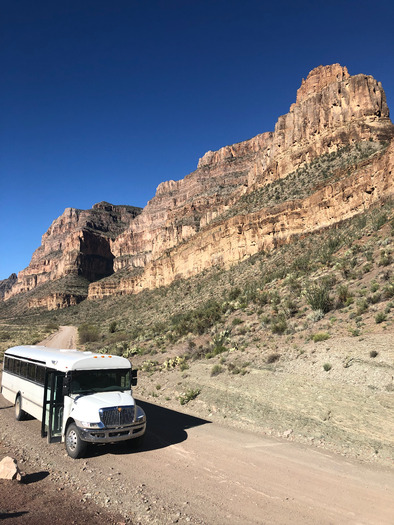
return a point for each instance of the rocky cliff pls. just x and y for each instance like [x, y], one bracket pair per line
[79, 243]
[332, 110]
[206, 218]
[7, 284]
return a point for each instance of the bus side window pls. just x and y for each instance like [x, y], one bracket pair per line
[7, 363]
[17, 367]
[31, 371]
[10, 364]
[23, 369]
[40, 374]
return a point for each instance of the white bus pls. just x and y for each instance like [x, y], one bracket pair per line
[79, 397]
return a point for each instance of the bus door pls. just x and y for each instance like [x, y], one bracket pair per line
[53, 406]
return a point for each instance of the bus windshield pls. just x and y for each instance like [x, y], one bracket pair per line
[91, 381]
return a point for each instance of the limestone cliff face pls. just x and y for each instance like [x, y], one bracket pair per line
[7, 284]
[228, 242]
[78, 242]
[332, 109]
[183, 229]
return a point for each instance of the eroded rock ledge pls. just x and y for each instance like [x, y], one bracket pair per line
[183, 229]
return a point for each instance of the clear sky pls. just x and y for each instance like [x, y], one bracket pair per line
[105, 99]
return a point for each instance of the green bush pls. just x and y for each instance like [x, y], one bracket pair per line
[216, 370]
[327, 367]
[344, 295]
[197, 321]
[234, 294]
[318, 297]
[112, 327]
[380, 317]
[189, 395]
[320, 336]
[88, 333]
[279, 325]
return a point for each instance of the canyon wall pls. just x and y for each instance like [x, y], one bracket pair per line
[229, 242]
[183, 229]
[78, 242]
[332, 109]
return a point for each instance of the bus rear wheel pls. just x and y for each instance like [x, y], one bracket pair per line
[19, 413]
[74, 445]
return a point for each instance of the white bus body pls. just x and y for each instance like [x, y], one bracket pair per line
[79, 397]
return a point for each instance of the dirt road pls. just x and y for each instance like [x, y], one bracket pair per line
[65, 337]
[192, 471]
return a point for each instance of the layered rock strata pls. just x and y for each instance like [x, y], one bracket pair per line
[183, 229]
[7, 284]
[78, 242]
[332, 109]
[229, 242]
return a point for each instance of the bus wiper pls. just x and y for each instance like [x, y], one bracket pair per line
[84, 392]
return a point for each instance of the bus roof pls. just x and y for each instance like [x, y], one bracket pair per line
[65, 360]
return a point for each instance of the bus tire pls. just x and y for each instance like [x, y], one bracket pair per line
[74, 445]
[19, 413]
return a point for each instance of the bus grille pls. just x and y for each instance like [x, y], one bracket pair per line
[117, 416]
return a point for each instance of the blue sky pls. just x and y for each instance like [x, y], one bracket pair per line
[103, 100]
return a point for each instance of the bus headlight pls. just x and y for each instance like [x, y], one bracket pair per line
[140, 415]
[87, 424]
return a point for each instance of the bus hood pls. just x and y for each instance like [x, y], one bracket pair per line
[86, 407]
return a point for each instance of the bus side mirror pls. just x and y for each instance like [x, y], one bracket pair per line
[133, 377]
[66, 385]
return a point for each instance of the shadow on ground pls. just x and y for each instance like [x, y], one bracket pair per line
[165, 427]
[33, 478]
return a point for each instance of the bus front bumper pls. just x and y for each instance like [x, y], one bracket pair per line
[109, 435]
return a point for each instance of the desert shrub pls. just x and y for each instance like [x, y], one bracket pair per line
[5, 336]
[88, 333]
[344, 295]
[378, 221]
[197, 321]
[373, 353]
[290, 306]
[216, 370]
[327, 367]
[234, 294]
[388, 291]
[189, 395]
[279, 325]
[316, 316]
[318, 297]
[385, 258]
[380, 317]
[272, 358]
[374, 298]
[112, 327]
[52, 326]
[362, 306]
[236, 321]
[320, 336]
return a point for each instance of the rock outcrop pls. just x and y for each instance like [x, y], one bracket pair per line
[7, 284]
[332, 110]
[79, 243]
[188, 225]
[229, 242]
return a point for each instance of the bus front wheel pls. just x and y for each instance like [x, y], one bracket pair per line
[19, 413]
[74, 445]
